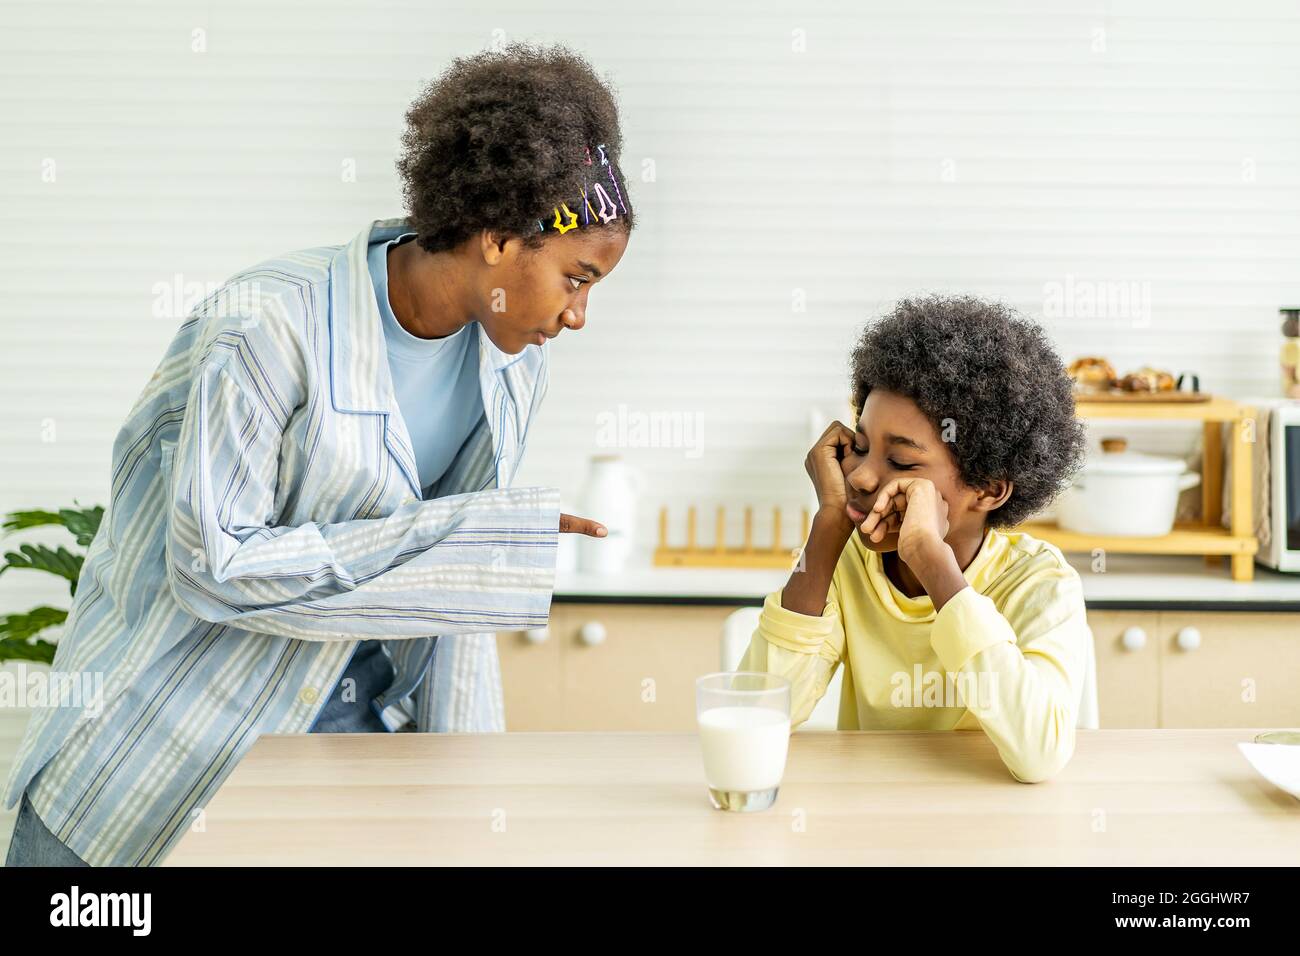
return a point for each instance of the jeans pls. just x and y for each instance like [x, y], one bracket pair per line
[372, 671]
[33, 844]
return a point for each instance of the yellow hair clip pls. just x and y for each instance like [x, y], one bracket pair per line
[573, 219]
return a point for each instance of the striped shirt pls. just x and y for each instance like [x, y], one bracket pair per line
[265, 516]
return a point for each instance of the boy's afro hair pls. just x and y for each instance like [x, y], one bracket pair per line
[993, 379]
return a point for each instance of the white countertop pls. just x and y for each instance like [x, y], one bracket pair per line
[1130, 580]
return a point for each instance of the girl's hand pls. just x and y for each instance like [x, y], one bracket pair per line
[824, 466]
[914, 508]
[570, 524]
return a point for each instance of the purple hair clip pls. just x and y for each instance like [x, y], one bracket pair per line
[618, 192]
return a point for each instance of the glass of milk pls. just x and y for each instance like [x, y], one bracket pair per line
[744, 719]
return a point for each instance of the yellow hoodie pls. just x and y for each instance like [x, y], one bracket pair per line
[1006, 654]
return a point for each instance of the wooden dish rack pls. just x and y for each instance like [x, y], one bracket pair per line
[719, 554]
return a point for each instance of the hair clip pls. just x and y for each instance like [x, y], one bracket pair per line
[618, 192]
[608, 210]
[573, 219]
[605, 201]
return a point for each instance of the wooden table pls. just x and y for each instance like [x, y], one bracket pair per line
[1157, 797]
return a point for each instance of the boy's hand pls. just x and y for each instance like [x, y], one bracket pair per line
[824, 465]
[914, 508]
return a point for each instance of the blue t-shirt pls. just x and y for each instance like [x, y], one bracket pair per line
[435, 381]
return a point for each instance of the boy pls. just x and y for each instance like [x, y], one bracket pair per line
[942, 619]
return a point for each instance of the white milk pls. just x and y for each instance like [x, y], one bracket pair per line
[744, 747]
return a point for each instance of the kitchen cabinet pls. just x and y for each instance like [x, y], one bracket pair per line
[633, 667]
[610, 667]
[1128, 667]
[530, 678]
[1197, 668]
[1229, 669]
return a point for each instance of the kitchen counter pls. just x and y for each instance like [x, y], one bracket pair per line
[1128, 797]
[1130, 582]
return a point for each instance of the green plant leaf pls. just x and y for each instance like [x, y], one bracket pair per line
[22, 520]
[81, 522]
[12, 649]
[38, 557]
[18, 632]
[24, 626]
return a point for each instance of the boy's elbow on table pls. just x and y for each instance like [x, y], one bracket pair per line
[1035, 764]
[808, 673]
[1040, 768]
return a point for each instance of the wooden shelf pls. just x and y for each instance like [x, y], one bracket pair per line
[1208, 538]
[1215, 410]
[1184, 539]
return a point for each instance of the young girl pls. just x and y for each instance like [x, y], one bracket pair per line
[311, 525]
[942, 618]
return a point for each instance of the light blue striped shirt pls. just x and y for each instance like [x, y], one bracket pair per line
[264, 517]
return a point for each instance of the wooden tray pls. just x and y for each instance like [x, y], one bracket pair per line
[1143, 398]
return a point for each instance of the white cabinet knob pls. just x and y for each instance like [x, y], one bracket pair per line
[1188, 639]
[537, 635]
[1133, 639]
[592, 633]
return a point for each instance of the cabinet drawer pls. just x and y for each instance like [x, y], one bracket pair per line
[642, 675]
[530, 679]
[611, 667]
[1231, 669]
[1128, 680]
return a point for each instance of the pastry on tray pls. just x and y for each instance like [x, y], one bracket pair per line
[1148, 379]
[1092, 374]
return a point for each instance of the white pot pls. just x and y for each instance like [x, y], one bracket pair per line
[1124, 493]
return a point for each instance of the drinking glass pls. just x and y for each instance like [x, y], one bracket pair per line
[744, 721]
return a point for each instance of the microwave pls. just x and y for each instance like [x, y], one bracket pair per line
[1277, 460]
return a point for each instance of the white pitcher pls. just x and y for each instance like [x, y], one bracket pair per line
[609, 497]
